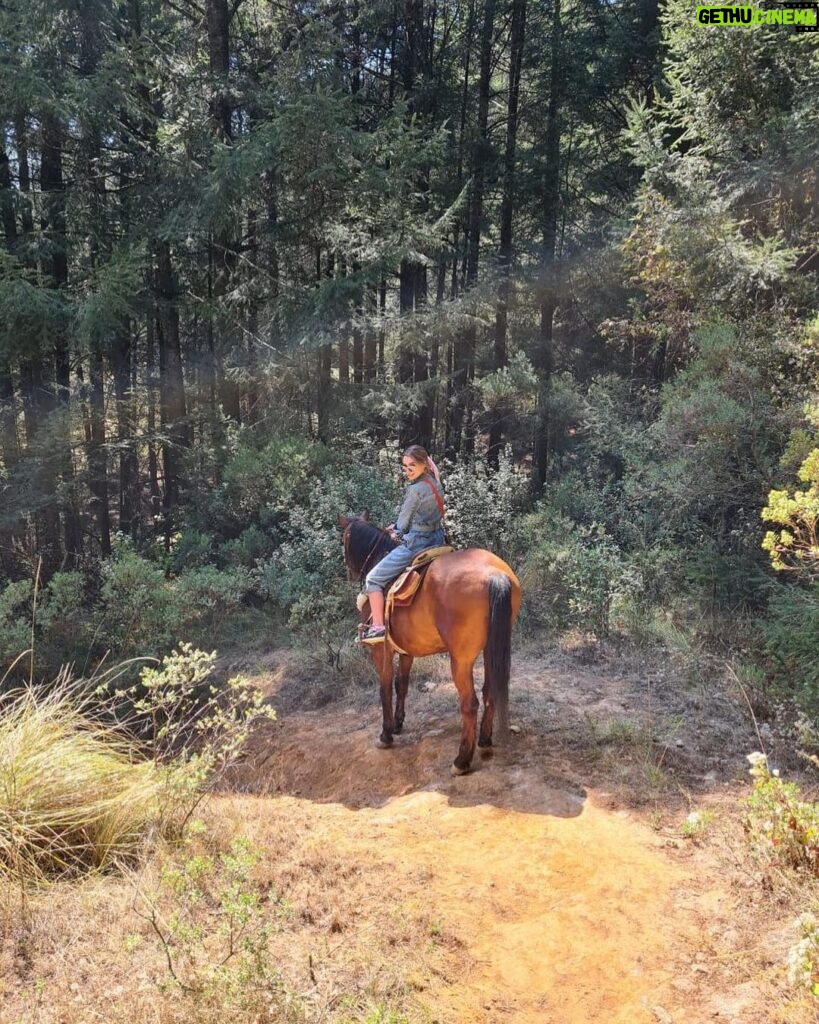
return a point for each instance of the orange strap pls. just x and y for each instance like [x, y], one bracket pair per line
[437, 494]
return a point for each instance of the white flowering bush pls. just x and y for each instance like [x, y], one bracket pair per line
[306, 575]
[803, 958]
[185, 717]
[482, 502]
[782, 828]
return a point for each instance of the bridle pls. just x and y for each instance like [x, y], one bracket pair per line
[346, 542]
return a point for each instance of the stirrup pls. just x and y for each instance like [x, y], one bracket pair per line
[373, 635]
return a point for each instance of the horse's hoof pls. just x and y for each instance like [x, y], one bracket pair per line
[487, 751]
[398, 729]
[455, 770]
[384, 744]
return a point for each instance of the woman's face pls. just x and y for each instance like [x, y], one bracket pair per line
[412, 468]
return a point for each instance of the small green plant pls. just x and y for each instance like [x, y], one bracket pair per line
[782, 829]
[803, 958]
[697, 824]
[189, 718]
[213, 924]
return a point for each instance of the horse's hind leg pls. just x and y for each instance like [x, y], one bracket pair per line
[485, 735]
[464, 683]
[401, 686]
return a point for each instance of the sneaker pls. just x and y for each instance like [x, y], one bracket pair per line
[374, 635]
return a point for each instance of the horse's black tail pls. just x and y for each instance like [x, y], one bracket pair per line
[497, 655]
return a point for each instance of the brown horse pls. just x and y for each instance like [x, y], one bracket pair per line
[467, 603]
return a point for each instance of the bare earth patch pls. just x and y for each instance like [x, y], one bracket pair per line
[553, 885]
[559, 864]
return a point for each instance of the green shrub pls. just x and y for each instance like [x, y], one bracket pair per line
[213, 922]
[262, 483]
[573, 576]
[191, 550]
[250, 547]
[63, 624]
[15, 620]
[306, 575]
[482, 502]
[139, 607]
[790, 635]
[207, 595]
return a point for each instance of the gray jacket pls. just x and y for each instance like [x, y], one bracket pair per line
[419, 510]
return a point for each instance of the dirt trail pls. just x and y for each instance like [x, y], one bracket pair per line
[567, 910]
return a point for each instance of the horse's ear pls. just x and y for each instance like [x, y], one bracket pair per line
[343, 522]
[365, 515]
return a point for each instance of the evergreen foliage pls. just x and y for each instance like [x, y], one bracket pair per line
[249, 252]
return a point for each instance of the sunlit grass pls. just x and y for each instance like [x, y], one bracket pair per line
[73, 794]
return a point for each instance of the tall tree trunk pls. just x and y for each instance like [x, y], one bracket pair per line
[123, 358]
[324, 358]
[9, 450]
[517, 35]
[172, 403]
[358, 316]
[464, 354]
[7, 218]
[450, 416]
[406, 305]
[544, 350]
[343, 341]
[412, 274]
[54, 225]
[97, 461]
[370, 339]
[151, 332]
[223, 244]
[8, 429]
[218, 27]
[251, 396]
[24, 172]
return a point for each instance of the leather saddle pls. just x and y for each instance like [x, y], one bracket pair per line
[402, 592]
[404, 589]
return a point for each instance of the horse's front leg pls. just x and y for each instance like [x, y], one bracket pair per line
[383, 662]
[401, 686]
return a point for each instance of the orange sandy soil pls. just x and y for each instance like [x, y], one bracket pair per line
[557, 867]
[552, 885]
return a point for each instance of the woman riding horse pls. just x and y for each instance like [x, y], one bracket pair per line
[467, 604]
[419, 526]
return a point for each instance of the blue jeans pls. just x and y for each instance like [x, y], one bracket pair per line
[392, 565]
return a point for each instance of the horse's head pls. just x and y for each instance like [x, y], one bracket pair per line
[364, 544]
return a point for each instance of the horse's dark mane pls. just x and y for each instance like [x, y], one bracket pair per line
[367, 544]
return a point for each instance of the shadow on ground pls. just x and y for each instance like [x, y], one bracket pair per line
[635, 738]
[331, 757]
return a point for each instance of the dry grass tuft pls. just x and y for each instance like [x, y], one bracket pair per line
[73, 796]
